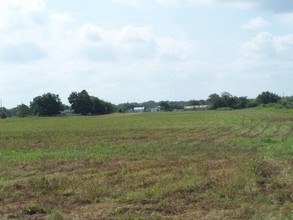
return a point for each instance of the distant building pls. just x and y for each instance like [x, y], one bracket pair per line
[196, 107]
[156, 109]
[67, 112]
[139, 109]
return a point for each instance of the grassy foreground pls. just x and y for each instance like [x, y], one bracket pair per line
[180, 165]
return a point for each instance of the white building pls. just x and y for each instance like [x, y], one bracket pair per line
[196, 107]
[156, 109]
[139, 109]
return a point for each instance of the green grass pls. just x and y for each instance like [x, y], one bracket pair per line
[178, 165]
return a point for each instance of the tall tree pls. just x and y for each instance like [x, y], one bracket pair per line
[97, 106]
[100, 107]
[81, 102]
[215, 101]
[267, 97]
[165, 105]
[23, 110]
[48, 104]
[108, 107]
[241, 102]
[228, 100]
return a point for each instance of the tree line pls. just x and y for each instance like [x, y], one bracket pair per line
[50, 104]
[82, 103]
[226, 100]
[217, 101]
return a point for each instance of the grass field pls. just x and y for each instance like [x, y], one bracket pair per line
[179, 165]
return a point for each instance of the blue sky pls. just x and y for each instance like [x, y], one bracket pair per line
[140, 50]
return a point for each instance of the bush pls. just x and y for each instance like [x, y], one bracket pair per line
[3, 115]
[252, 104]
[286, 103]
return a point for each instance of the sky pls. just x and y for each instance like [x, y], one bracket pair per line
[140, 50]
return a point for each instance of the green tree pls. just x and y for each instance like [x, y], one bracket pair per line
[252, 103]
[97, 106]
[286, 102]
[193, 102]
[109, 107]
[3, 114]
[165, 105]
[125, 107]
[215, 101]
[241, 102]
[48, 104]
[176, 105]
[228, 100]
[267, 97]
[81, 102]
[23, 110]
[100, 107]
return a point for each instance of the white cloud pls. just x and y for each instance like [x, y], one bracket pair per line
[58, 18]
[256, 23]
[18, 14]
[62, 38]
[282, 6]
[21, 52]
[173, 48]
[21, 30]
[134, 3]
[284, 46]
[168, 3]
[93, 33]
[277, 6]
[265, 45]
[32, 5]
[177, 3]
[266, 60]
[286, 19]
[131, 33]
[40, 58]
[129, 42]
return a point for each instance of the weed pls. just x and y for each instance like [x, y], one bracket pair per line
[55, 215]
[32, 209]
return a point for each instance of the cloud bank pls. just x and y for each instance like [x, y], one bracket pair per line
[45, 50]
[280, 6]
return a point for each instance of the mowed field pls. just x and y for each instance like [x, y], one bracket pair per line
[178, 165]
